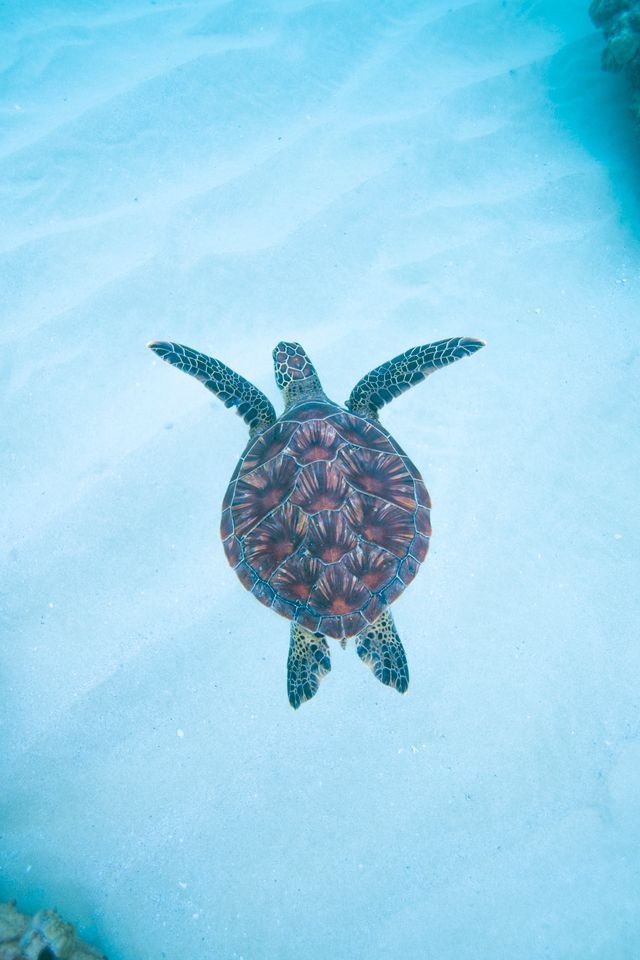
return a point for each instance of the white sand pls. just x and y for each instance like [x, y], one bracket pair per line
[362, 177]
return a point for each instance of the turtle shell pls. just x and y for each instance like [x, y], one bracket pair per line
[326, 520]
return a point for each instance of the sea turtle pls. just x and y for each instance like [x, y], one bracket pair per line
[326, 519]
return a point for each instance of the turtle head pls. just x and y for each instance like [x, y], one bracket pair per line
[295, 374]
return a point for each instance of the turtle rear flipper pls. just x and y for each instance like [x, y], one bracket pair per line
[308, 663]
[380, 647]
[234, 391]
[391, 379]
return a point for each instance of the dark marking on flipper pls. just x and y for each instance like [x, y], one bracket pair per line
[253, 406]
[308, 663]
[380, 647]
[395, 376]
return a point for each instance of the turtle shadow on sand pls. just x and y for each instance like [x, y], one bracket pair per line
[326, 519]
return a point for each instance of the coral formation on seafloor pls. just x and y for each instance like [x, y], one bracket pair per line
[620, 23]
[44, 936]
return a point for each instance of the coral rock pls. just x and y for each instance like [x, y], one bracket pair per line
[46, 935]
[48, 931]
[620, 23]
[603, 12]
[620, 50]
[12, 923]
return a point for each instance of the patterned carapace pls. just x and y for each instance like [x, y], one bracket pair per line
[326, 520]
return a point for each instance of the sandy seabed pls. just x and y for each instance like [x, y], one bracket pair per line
[361, 177]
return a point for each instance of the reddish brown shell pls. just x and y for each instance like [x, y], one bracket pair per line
[326, 520]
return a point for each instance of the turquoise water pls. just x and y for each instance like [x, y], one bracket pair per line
[360, 177]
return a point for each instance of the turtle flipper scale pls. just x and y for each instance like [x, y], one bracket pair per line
[391, 379]
[234, 391]
[308, 663]
[380, 647]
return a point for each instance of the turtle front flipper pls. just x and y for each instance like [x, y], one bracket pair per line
[380, 647]
[308, 663]
[391, 379]
[234, 391]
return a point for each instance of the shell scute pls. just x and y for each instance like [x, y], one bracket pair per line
[306, 618]
[408, 569]
[380, 523]
[372, 610]
[392, 590]
[284, 607]
[226, 523]
[419, 547]
[314, 440]
[233, 551]
[320, 486]
[231, 489]
[380, 474]
[423, 521]
[267, 446]
[246, 575]
[309, 410]
[422, 494]
[337, 592]
[332, 627]
[362, 433]
[374, 567]
[260, 491]
[295, 579]
[275, 539]
[330, 536]
[263, 592]
[353, 623]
